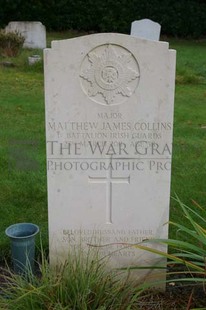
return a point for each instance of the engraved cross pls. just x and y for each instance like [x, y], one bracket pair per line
[109, 180]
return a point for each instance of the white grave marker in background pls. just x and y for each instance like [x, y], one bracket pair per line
[109, 120]
[146, 29]
[34, 33]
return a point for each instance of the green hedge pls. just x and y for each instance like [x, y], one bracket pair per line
[183, 18]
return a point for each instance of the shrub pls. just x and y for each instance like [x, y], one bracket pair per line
[10, 43]
[82, 283]
[190, 253]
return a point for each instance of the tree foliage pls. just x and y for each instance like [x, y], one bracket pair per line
[183, 18]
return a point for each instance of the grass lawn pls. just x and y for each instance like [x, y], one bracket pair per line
[23, 194]
[189, 144]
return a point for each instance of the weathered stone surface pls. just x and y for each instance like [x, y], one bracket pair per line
[146, 29]
[109, 120]
[34, 33]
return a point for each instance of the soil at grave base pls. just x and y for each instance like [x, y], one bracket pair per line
[178, 296]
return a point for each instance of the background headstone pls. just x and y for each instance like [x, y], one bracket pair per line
[109, 120]
[34, 33]
[146, 29]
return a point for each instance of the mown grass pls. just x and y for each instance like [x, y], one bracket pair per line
[22, 186]
[23, 195]
[189, 139]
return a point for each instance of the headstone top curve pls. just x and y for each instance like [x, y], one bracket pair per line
[146, 28]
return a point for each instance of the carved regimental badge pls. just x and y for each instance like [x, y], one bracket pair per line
[109, 74]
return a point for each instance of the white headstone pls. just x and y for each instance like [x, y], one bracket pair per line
[34, 33]
[109, 119]
[146, 29]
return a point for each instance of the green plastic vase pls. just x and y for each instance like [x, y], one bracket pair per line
[22, 236]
